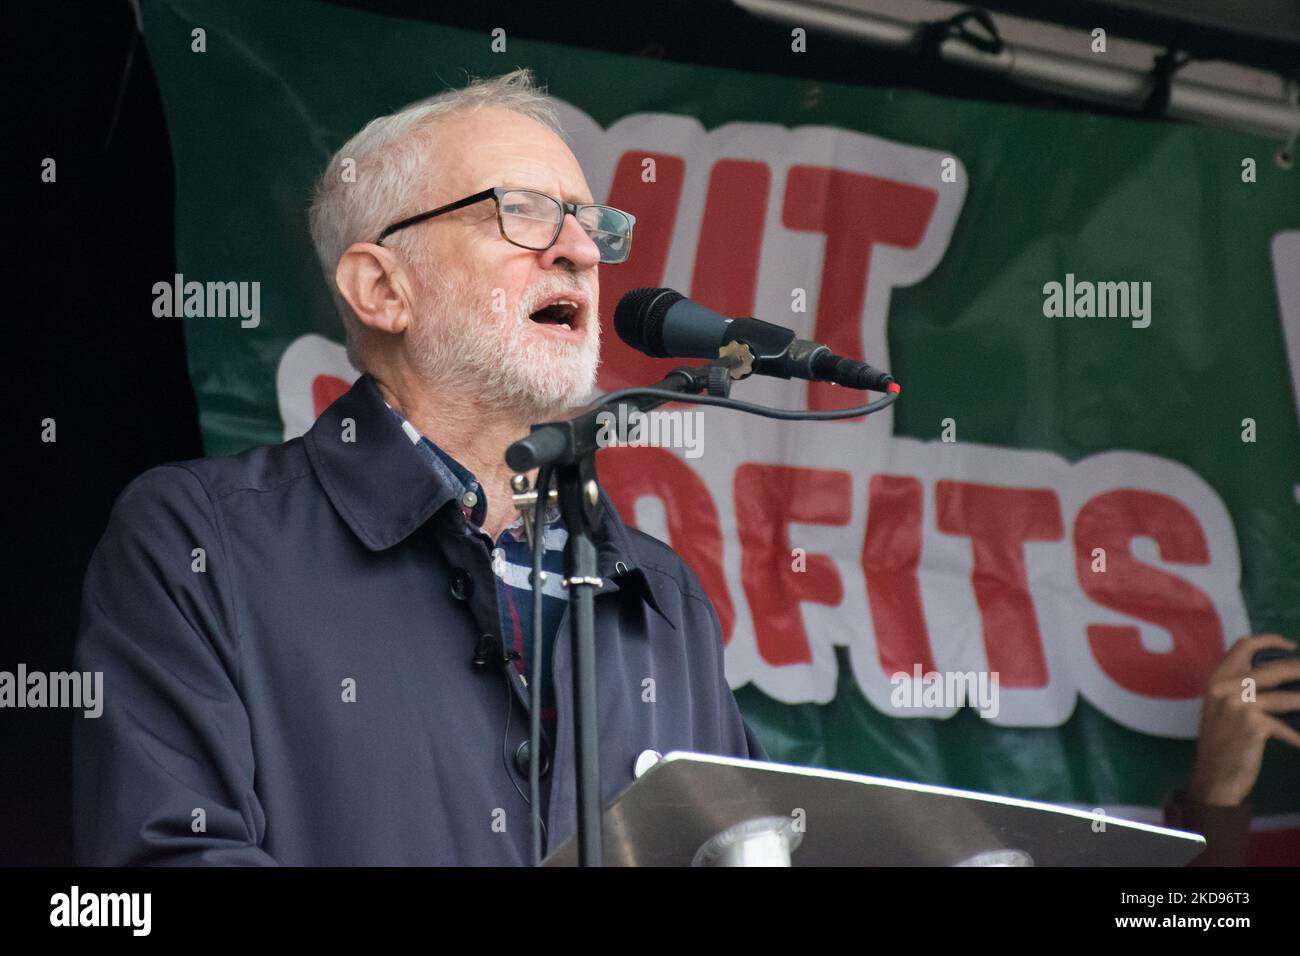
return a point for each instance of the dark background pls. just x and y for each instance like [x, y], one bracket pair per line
[83, 253]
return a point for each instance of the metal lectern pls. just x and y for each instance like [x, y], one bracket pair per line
[697, 809]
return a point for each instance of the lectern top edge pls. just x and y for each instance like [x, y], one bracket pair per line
[678, 755]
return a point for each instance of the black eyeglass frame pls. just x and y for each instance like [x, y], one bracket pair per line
[495, 193]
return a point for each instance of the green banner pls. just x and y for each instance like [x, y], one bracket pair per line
[1088, 490]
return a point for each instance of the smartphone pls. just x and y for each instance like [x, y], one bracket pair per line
[1278, 654]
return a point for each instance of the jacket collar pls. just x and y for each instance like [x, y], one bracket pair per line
[384, 490]
[372, 474]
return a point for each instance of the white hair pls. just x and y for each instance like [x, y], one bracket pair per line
[379, 175]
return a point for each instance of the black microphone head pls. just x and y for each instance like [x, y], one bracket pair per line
[639, 319]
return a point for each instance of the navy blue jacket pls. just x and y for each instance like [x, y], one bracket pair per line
[301, 690]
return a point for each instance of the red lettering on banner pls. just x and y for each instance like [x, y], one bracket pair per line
[769, 498]
[855, 211]
[655, 207]
[731, 237]
[999, 521]
[693, 529]
[891, 554]
[1110, 521]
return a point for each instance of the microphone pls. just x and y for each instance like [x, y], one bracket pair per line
[665, 324]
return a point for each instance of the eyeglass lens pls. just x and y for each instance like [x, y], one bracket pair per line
[534, 220]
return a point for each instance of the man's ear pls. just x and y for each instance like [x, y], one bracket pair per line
[377, 287]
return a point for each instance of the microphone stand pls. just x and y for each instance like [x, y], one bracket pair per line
[569, 448]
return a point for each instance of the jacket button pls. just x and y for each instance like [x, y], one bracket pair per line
[462, 585]
[522, 762]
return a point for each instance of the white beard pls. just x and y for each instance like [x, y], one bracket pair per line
[496, 356]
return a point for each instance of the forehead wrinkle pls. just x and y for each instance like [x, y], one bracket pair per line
[509, 150]
[524, 172]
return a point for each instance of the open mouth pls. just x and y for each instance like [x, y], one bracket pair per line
[563, 312]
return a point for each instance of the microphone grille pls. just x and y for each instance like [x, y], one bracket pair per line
[639, 319]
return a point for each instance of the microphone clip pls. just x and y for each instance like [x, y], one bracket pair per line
[768, 345]
[488, 649]
[737, 358]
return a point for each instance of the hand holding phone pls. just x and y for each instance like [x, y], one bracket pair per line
[1252, 696]
[1270, 655]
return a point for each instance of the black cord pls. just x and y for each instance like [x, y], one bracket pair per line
[785, 414]
[505, 734]
[535, 685]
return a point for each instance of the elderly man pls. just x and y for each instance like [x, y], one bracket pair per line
[315, 653]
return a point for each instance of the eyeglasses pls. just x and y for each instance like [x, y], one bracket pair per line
[534, 220]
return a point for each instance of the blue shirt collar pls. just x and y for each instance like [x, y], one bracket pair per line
[464, 487]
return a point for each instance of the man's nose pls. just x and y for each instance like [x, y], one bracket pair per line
[574, 248]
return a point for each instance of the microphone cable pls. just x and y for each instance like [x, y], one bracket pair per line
[784, 414]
